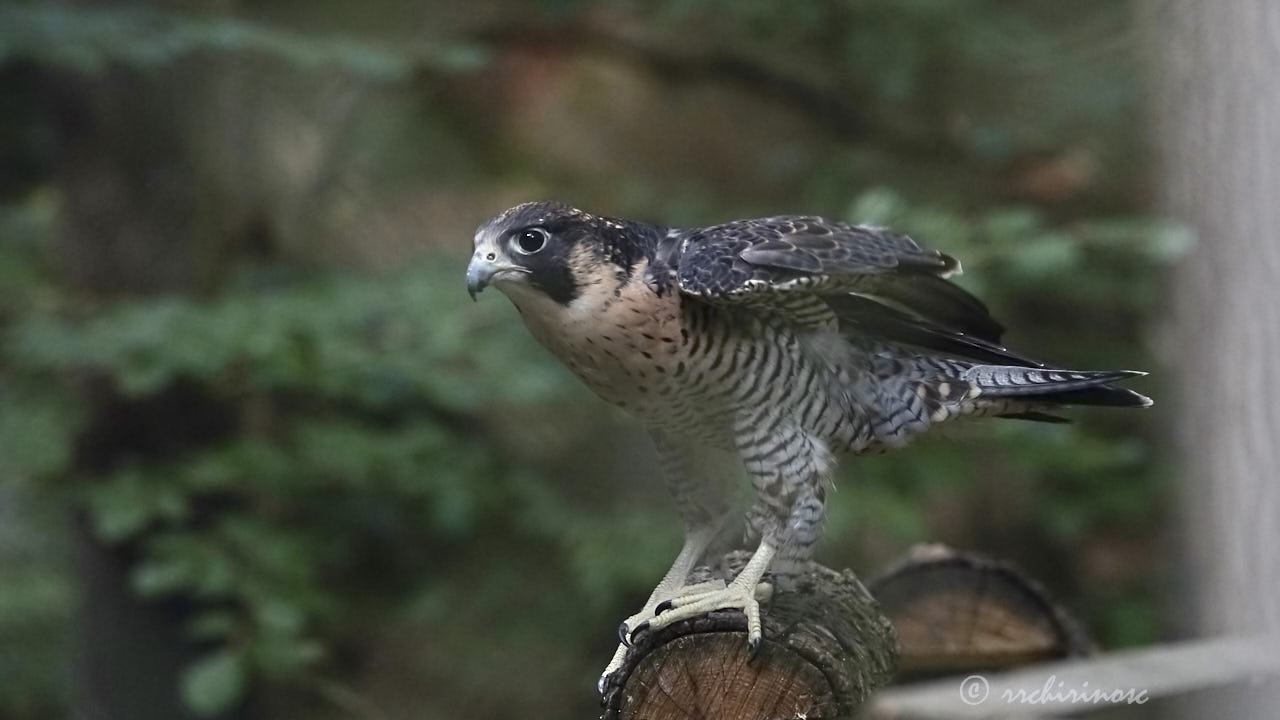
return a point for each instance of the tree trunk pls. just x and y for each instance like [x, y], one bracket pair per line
[1216, 115]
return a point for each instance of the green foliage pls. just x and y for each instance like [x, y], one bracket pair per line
[380, 345]
[355, 403]
[214, 683]
[1010, 251]
[89, 40]
[24, 226]
[36, 601]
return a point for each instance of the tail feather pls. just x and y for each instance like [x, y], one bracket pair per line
[1035, 416]
[911, 396]
[1045, 386]
[1104, 396]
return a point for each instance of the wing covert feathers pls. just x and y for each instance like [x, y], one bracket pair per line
[782, 253]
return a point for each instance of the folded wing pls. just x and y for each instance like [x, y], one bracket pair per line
[771, 260]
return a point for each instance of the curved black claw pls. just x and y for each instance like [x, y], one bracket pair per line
[624, 634]
[753, 646]
[639, 629]
[662, 607]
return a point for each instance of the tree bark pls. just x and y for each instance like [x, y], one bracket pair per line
[1216, 115]
[826, 647]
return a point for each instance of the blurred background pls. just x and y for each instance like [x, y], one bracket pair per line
[260, 456]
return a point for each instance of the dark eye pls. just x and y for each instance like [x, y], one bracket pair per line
[532, 240]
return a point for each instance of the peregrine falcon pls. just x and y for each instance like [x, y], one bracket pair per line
[770, 345]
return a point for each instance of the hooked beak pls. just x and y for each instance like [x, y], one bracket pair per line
[482, 272]
[479, 273]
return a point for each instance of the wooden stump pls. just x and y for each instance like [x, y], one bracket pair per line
[961, 612]
[826, 647]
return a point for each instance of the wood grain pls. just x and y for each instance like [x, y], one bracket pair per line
[826, 647]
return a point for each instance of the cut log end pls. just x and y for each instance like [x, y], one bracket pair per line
[826, 647]
[958, 612]
[716, 674]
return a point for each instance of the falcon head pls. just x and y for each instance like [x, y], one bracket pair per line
[550, 250]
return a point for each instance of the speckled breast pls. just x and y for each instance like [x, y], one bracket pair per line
[686, 368]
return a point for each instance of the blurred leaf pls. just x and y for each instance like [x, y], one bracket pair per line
[214, 683]
[212, 625]
[124, 507]
[36, 431]
[286, 656]
[878, 206]
[1046, 254]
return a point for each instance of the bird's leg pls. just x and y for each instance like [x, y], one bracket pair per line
[744, 593]
[672, 584]
[789, 470]
[701, 497]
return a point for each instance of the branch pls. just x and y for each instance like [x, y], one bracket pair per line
[830, 108]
